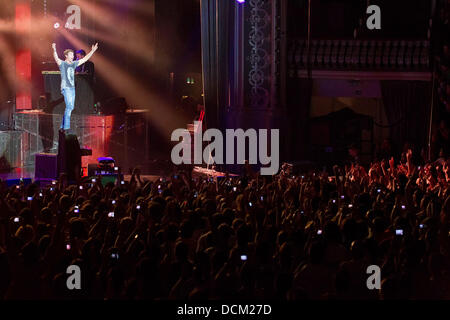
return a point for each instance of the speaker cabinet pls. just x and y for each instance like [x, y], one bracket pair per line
[46, 166]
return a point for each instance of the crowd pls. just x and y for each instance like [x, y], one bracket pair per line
[284, 237]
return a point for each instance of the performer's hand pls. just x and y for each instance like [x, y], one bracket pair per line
[95, 47]
[54, 46]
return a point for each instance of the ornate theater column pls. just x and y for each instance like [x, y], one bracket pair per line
[244, 61]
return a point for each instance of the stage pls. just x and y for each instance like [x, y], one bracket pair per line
[124, 137]
[197, 172]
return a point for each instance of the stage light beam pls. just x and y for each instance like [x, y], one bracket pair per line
[159, 112]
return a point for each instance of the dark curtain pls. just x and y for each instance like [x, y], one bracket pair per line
[407, 107]
[215, 17]
[299, 92]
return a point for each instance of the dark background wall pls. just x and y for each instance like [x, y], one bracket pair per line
[337, 19]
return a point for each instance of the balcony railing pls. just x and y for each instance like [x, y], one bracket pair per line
[359, 55]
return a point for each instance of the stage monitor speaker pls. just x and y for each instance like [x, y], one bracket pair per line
[94, 169]
[112, 106]
[16, 182]
[69, 156]
[46, 166]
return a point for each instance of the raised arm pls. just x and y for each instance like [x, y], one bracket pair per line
[89, 55]
[55, 55]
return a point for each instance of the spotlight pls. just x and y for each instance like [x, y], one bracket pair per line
[56, 25]
[241, 1]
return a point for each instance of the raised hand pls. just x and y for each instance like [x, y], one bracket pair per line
[391, 162]
[137, 172]
[95, 47]
[54, 46]
[409, 155]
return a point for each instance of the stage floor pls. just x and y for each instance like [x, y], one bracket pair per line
[28, 173]
[124, 137]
